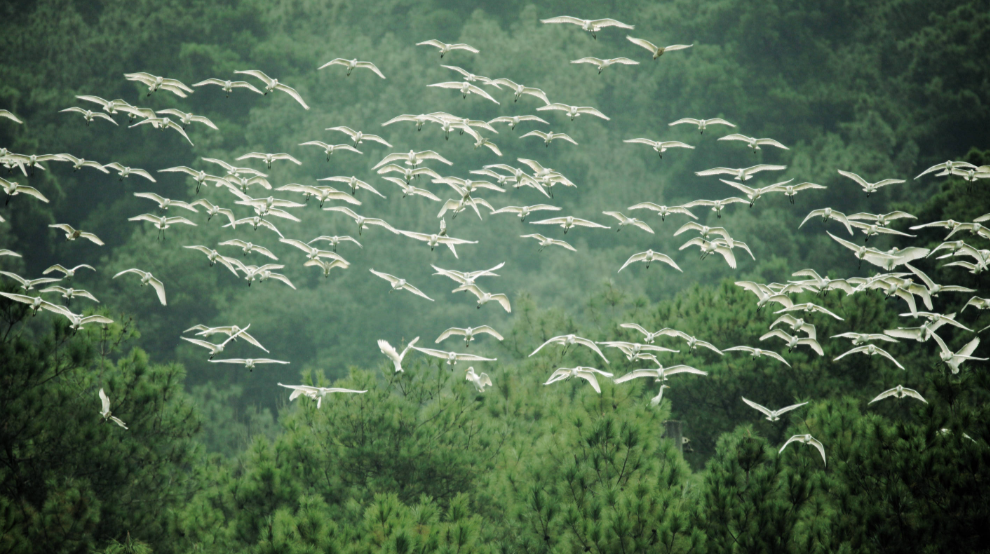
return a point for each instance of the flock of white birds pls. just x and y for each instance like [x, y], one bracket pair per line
[402, 169]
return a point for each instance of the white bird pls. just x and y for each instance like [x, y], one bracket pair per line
[692, 342]
[12, 189]
[765, 295]
[269, 158]
[29, 284]
[808, 308]
[273, 84]
[826, 214]
[772, 415]
[741, 174]
[351, 65]
[79, 163]
[870, 188]
[754, 194]
[105, 410]
[361, 221]
[391, 353]
[8, 115]
[635, 351]
[486, 297]
[336, 240]
[545, 242]
[312, 253]
[465, 88]
[549, 137]
[660, 374]
[790, 191]
[468, 333]
[147, 279]
[215, 348]
[400, 284]
[163, 123]
[165, 203]
[602, 64]
[863, 338]
[73, 234]
[329, 149]
[354, 183]
[707, 248]
[77, 322]
[869, 350]
[793, 342]
[524, 211]
[228, 86]
[126, 172]
[154, 83]
[955, 359]
[716, 205]
[663, 211]
[316, 393]
[436, 239]
[659, 146]
[871, 255]
[445, 48]
[213, 256]
[518, 90]
[248, 363]
[212, 210]
[758, 353]
[513, 121]
[480, 381]
[590, 25]
[418, 119]
[899, 392]
[648, 337]
[754, 143]
[199, 176]
[586, 373]
[649, 257]
[412, 158]
[187, 118]
[326, 266]
[874, 230]
[567, 340]
[249, 248]
[573, 111]
[229, 330]
[796, 324]
[321, 193]
[570, 222]
[89, 115]
[947, 167]
[701, 123]
[70, 293]
[623, 221]
[68, 273]
[458, 206]
[358, 137]
[161, 222]
[658, 51]
[471, 77]
[453, 357]
[806, 439]
[35, 303]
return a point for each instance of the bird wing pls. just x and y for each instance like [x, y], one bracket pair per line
[813, 344]
[159, 288]
[564, 19]
[887, 355]
[293, 93]
[590, 378]
[653, 48]
[105, 403]
[757, 407]
[636, 374]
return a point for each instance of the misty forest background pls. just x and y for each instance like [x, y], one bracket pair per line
[217, 460]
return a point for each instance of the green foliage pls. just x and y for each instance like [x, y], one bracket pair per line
[70, 480]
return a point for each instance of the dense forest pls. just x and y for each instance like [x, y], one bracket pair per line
[216, 458]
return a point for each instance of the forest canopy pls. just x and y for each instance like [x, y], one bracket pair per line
[217, 458]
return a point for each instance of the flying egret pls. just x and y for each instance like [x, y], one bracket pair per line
[105, 410]
[772, 415]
